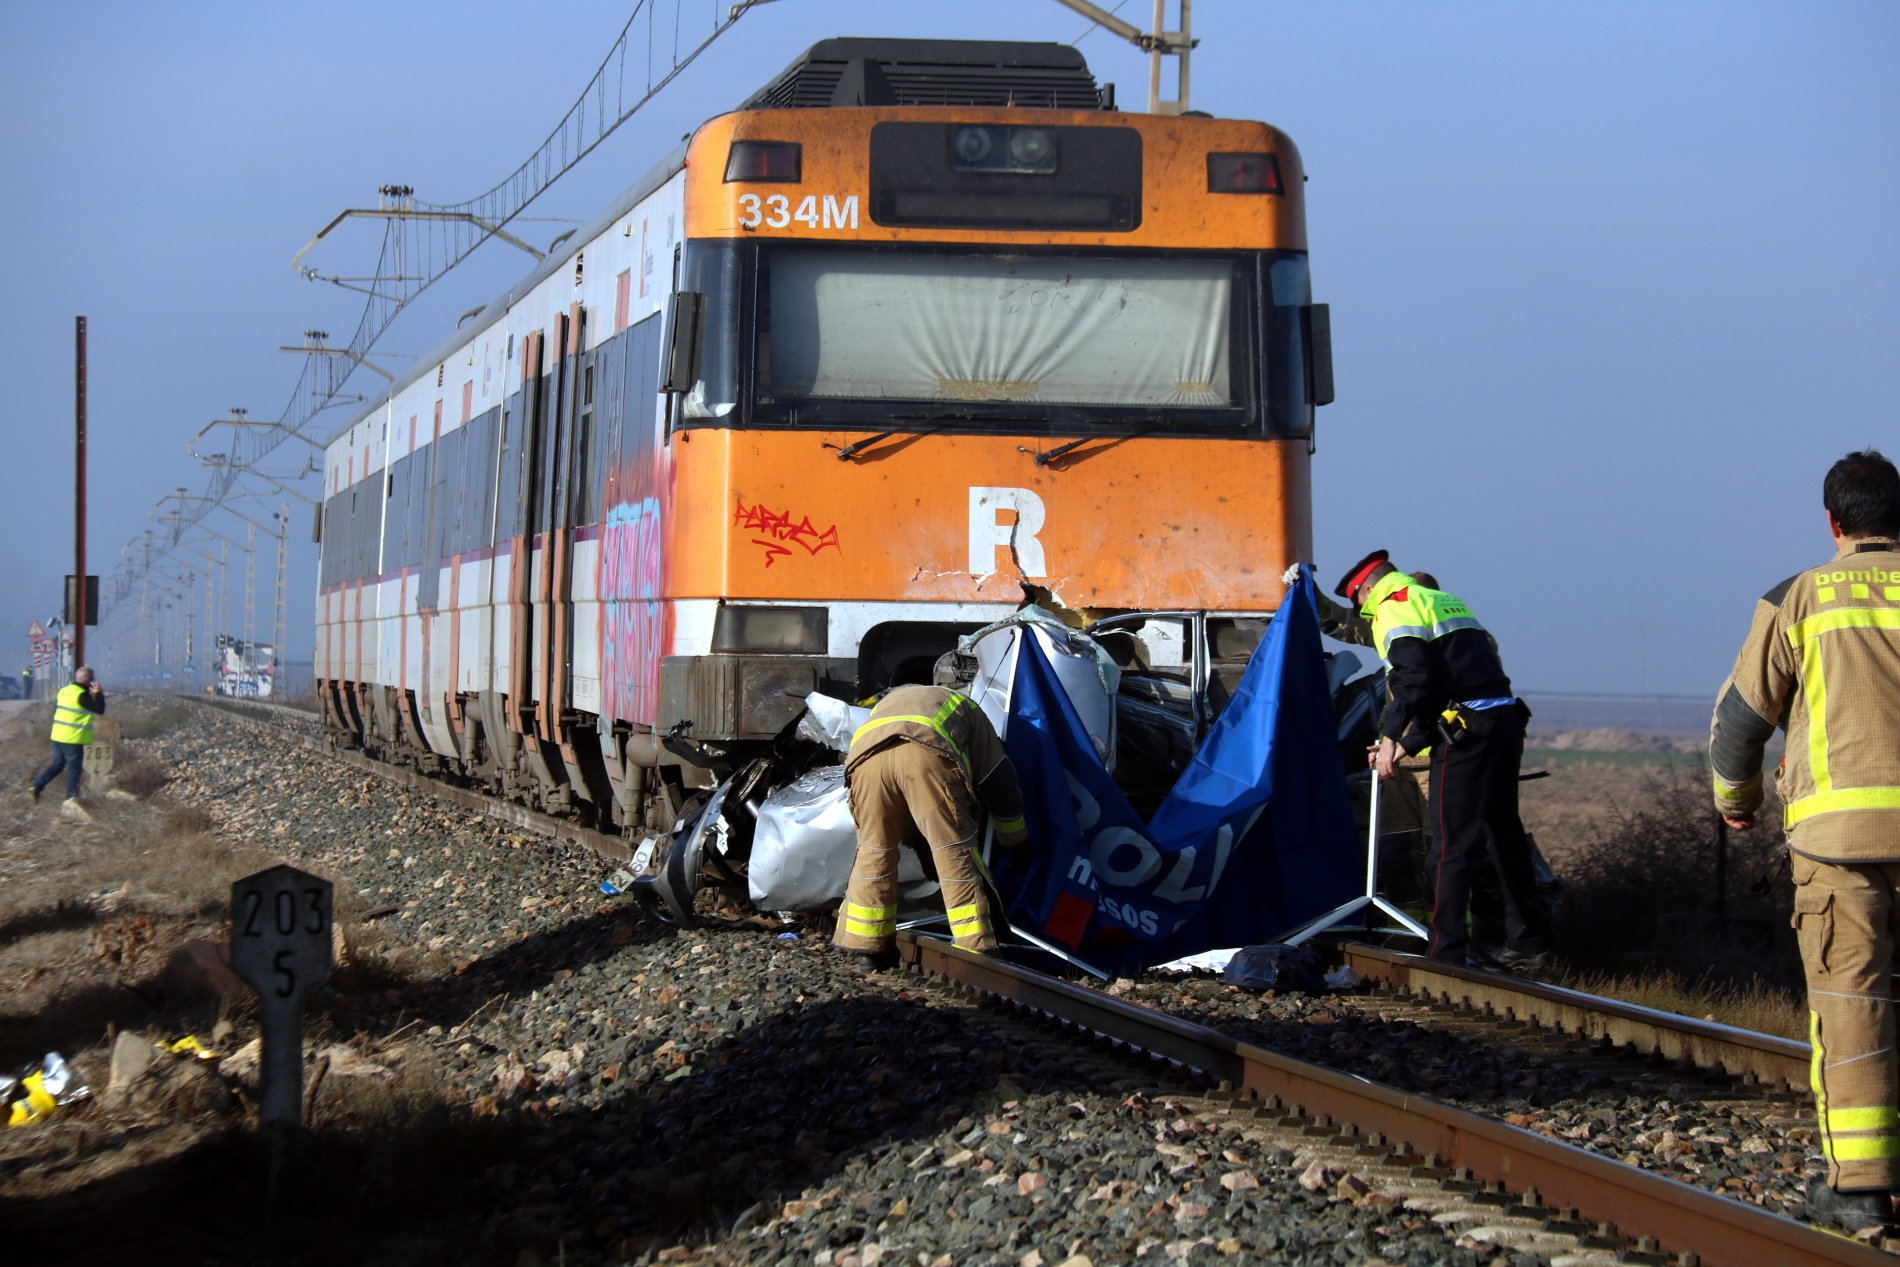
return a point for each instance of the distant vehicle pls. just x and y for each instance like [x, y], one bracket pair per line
[9, 688]
[922, 330]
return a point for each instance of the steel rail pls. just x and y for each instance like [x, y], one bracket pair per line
[1705, 1044]
[1683, 1219]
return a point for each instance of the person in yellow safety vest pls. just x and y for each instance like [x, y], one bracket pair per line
[1444, 675]
[1822, 660]
[915, 772]
[76, 705]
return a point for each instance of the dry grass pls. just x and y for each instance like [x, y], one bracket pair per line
[140, 778]
[1764, 1008]
[1650, 891]
[147, 719]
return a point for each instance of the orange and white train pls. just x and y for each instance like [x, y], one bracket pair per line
[920, 332]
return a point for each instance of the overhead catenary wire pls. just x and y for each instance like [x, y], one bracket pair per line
[422, 241]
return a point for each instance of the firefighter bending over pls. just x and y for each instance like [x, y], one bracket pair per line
[915, 772]
[1822, 659]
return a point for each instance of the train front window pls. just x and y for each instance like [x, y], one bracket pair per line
[984, 339]
[988, 339]
[1154, 334]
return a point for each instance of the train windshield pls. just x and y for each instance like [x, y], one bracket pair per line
[984, 339]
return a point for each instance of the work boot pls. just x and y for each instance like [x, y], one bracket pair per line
[871, 962]
[1850, 1211]
[36, 791]
[1505, 959]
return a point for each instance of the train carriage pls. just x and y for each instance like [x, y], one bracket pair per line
[923, 331]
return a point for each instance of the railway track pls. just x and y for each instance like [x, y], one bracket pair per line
[1560, 1201]
[1754, 1059]
[1512, 1186]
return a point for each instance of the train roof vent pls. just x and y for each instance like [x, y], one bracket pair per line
[861, 72]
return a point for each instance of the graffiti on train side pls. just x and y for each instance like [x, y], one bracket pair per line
[633, 623]
[774, 527]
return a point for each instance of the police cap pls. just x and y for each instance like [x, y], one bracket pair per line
[1357, 573]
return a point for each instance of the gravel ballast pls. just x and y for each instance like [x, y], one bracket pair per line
[616, 1089]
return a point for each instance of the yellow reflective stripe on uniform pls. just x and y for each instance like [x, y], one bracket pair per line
[966, 920]
[1437, 629]
[1814, 690]
[1845, 798]
[1737, 792]
[935, 723]
[1843, 618]
[1870, 1148]
[975, 926]
[71, 723]
[1011, 824]
[875, 722]
[1814, 1081]
[869, 921]
[1805, 637]
[1862, 1119]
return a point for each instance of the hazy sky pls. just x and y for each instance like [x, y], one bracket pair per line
[1612, 283]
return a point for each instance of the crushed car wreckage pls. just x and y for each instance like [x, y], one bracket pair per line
[777, 835]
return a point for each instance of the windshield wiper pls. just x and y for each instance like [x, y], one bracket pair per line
[849, 451]
[1063, 450]
[941, 420]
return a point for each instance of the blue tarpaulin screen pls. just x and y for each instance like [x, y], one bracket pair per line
[1255, 837]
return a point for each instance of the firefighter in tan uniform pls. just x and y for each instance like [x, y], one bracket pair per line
[1822, 660]
[915, 771]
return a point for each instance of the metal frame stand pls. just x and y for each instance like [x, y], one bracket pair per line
[1409, 927]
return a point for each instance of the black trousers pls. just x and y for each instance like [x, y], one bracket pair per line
[1474, 814]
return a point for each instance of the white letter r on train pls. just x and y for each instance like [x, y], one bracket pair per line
[988, 531]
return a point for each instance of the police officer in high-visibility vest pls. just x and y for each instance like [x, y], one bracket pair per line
[916, 771]
[1446, 688]
[1822, 660]
[74, 708]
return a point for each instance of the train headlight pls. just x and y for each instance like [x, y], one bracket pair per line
[972, 146]
[1032, 150]
[1011, 150]
[770, 630]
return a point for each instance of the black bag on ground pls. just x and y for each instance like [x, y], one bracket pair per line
[1275, 967]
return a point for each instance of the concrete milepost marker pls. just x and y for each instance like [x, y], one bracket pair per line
[280, 945]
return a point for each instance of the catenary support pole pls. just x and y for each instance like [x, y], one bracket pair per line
[79, 490]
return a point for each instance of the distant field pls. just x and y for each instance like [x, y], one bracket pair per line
[1659, 715]
[1573, 758]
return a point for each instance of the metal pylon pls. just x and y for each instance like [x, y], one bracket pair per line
[138, 630]
[224, 595]
[250, 584]
[283, 573]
